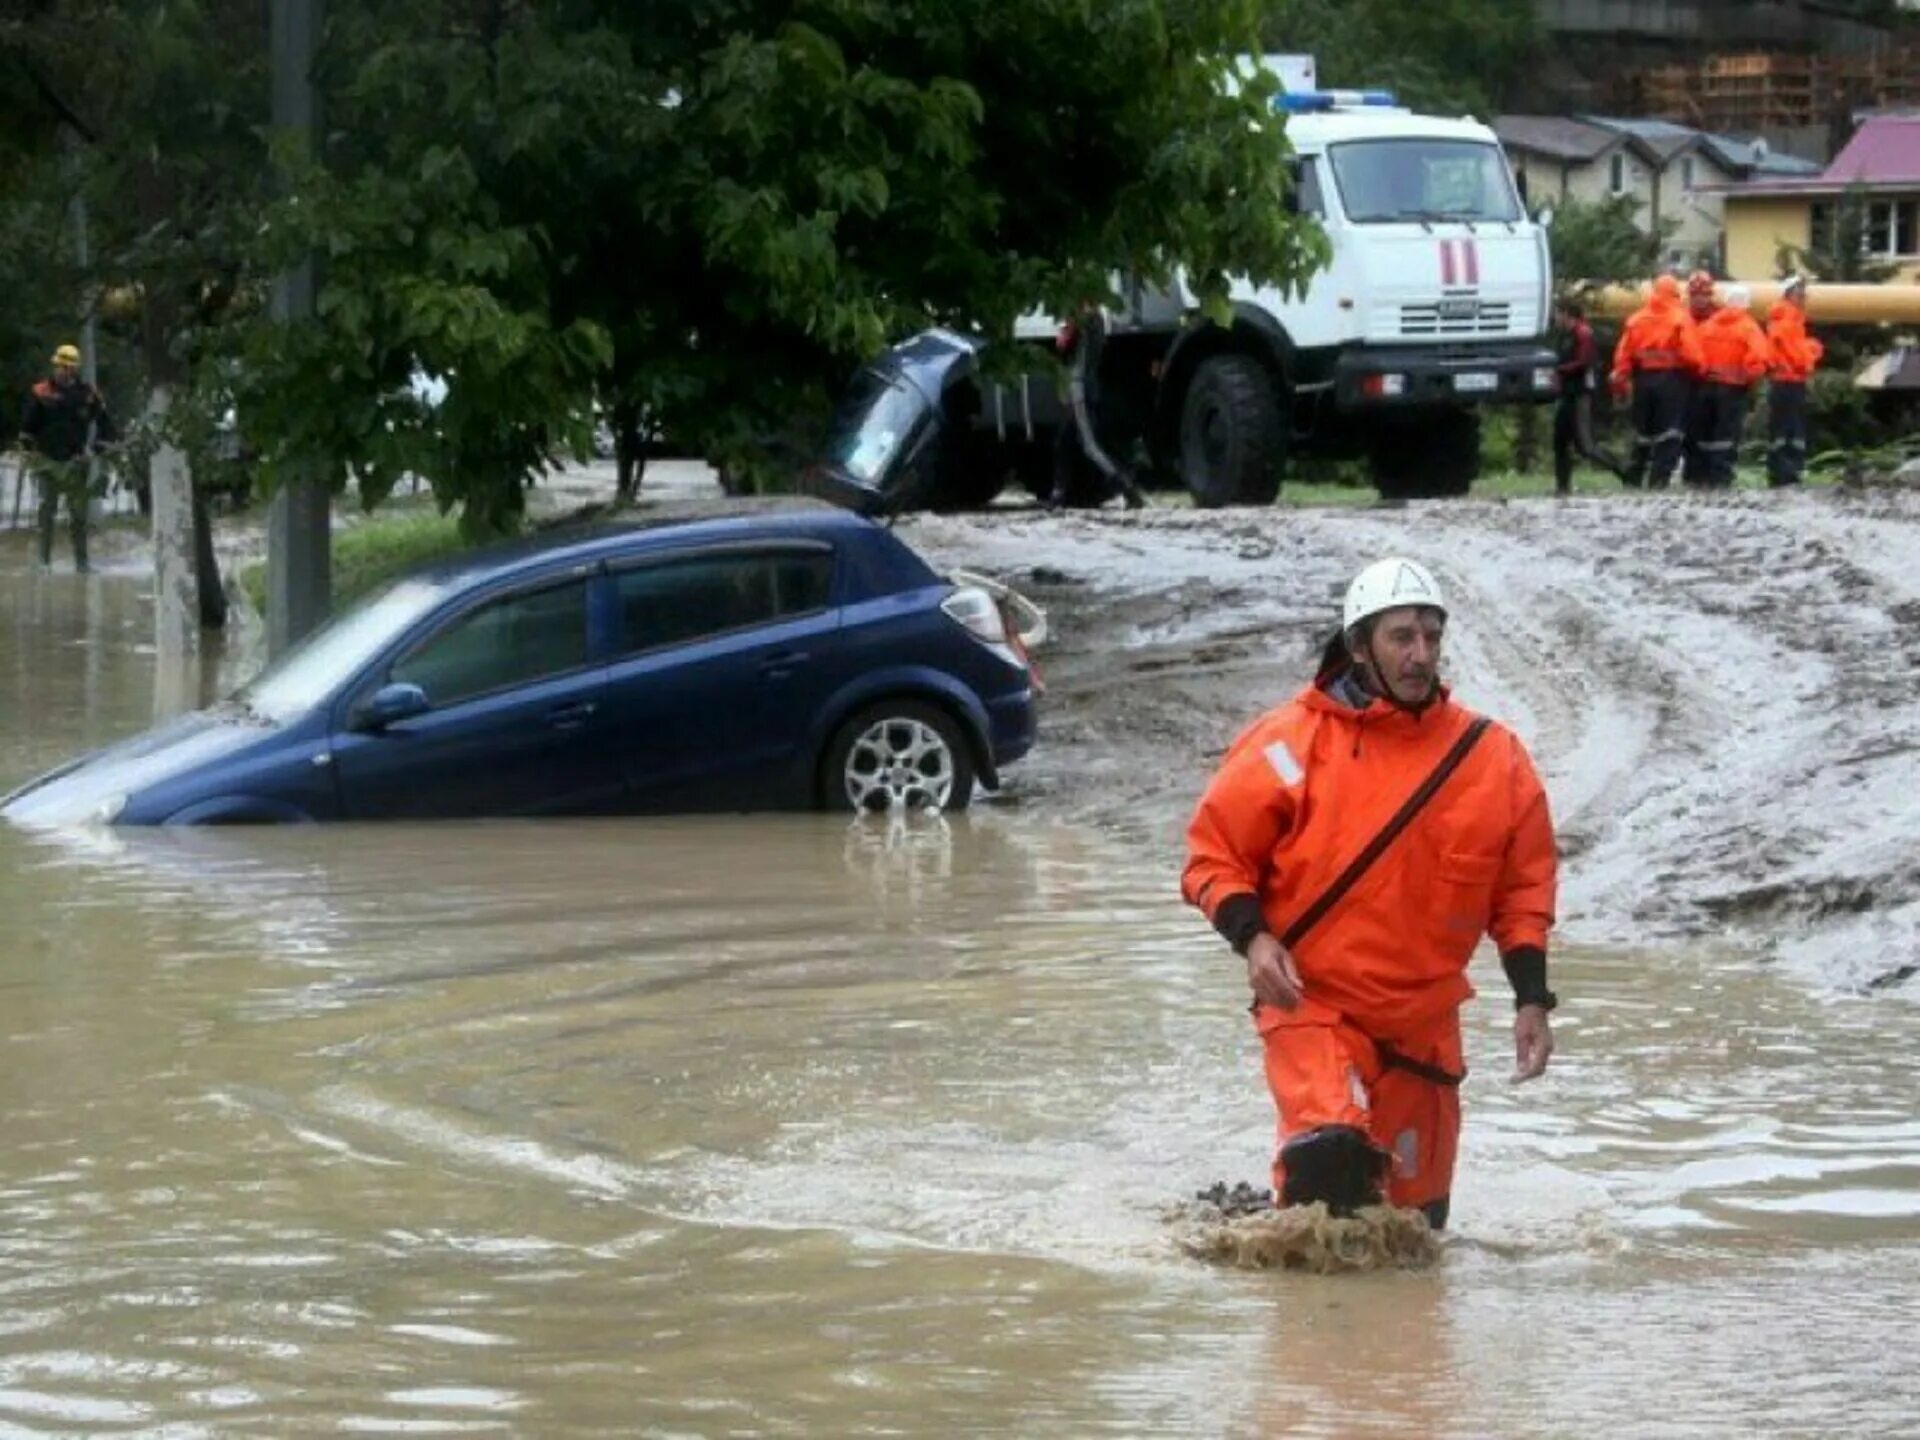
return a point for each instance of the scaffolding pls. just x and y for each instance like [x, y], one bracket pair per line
[1757, 91]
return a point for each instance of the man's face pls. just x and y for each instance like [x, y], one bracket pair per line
[65, 374]
[1404, 652]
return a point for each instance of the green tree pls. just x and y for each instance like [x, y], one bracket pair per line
[715, 209]
[1603, 241]
[1445, 56]
[150, 113]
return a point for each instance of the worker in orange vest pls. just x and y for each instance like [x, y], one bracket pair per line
[1736, 355]
[1794, 356]
[1657, 358]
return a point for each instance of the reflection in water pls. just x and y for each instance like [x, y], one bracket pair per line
[791, 1125]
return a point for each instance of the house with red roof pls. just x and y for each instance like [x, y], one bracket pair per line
[1881, 162]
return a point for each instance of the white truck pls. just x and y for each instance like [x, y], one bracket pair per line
[1435, 302]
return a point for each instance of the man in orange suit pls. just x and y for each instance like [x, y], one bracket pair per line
[1795, 355]
[1359, 1015]
[1656, 360]
[1734, 355]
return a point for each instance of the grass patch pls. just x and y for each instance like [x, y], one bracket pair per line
[371, 553]
[1515, 485]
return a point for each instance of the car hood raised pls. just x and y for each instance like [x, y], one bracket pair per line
[79, 792]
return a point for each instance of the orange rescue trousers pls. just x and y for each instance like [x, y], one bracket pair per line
[1323, 1070]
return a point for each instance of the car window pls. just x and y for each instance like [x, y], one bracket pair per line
[329, 656]
[684, 600]
[510, 641]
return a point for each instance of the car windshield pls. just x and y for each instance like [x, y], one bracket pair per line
[314, 668]
[880, 414]
[1387, 181]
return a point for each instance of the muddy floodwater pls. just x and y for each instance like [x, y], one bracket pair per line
[746, 1126]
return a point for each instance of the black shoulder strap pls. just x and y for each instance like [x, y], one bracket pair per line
[1344, 882]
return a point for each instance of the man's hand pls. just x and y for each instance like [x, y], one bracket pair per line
[1271, 974]
[1532, 1042]
[1621, 388]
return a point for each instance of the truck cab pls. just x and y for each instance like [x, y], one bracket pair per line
[1434, 302]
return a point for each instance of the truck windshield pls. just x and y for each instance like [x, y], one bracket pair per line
[1386, 181]
[874, 423]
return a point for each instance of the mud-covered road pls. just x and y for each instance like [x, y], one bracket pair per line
[1723, 693]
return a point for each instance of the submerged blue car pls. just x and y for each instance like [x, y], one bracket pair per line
[778, 660]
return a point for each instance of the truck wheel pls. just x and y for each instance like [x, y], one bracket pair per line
[1233, 436]
[1427, 459]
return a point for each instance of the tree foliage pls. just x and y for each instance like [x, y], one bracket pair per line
[715, 208]
[1603, 242]
[1446, 56]
[150, 113]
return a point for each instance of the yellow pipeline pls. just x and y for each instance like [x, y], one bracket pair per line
[1827, 304]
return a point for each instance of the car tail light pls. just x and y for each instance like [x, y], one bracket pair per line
[999, 617]
[978, 613]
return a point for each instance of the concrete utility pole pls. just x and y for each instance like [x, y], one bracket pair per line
[299, 544]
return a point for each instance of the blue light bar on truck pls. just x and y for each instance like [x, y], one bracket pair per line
[1302, 101]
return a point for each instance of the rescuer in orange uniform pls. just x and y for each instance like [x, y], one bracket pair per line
[1361, 1019]
[1735, 354]
[1702, 303]
[1795, 355]
[1658, 356]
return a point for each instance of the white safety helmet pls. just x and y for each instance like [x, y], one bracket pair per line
[1387, 585]
[1737, 297]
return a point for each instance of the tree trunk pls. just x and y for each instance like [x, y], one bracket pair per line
[161, 319]
[176, 601]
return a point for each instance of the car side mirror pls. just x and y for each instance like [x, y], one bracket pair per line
[391, 704]
[1545, 217]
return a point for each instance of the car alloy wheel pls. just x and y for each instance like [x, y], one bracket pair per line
[899, 761]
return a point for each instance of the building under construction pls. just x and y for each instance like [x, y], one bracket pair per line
[1794, 71]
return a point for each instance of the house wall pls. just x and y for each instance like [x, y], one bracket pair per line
[1757, 227]
[1699, 213]
[1549, 178]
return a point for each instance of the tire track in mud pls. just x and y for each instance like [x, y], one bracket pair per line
[1720, 690]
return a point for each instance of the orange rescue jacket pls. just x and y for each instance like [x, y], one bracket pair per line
[1795, 352]
[1734, 348]
[1660, 335]
[1307, 786]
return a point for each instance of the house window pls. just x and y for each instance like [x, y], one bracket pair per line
[1617, 174]
[1686, 173]
[1892, 229]
[1820, 226]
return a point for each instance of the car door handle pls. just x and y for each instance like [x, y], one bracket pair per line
[571, 716]
[783, 663]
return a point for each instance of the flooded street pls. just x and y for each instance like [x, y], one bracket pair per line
[799, 1126]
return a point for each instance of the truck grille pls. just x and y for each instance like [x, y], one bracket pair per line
[1486, 318]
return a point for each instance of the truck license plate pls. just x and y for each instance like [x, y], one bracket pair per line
[1475, 382]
